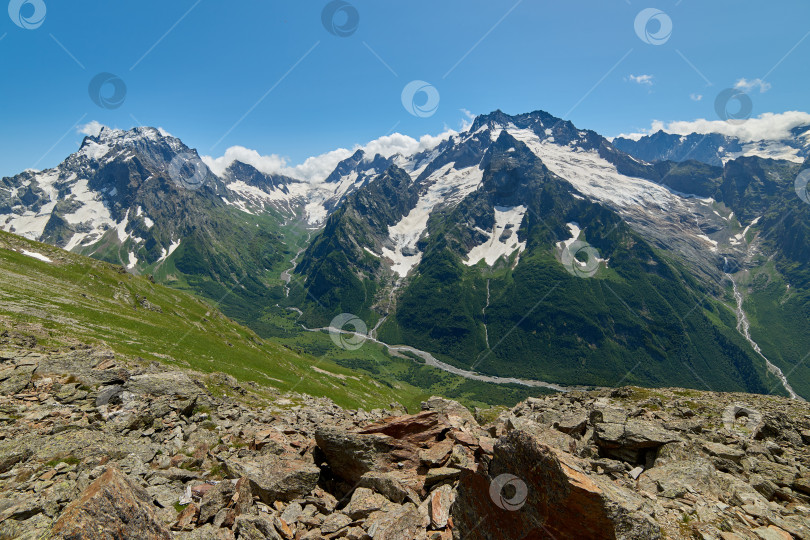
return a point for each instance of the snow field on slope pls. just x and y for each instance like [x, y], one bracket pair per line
[445, 186]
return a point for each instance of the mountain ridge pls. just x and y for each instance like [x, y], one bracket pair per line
[377, 222]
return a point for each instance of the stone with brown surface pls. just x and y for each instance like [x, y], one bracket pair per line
[390, 485]
[187, 519]
[451, 412]
[363, 503]
[111, 507]
[436, 455]
[558, 500]
[415, 428]
[441, 502]
[396, 524]
[214, 500]
[351, 454]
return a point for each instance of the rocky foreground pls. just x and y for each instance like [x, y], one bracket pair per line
[94, 447]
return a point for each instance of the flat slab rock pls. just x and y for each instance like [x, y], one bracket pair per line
[633, 435]
[273, 478]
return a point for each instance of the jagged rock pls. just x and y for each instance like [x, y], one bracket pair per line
[451, 412]
[782, 475]
[677, 478]
[242, 498]
[441, 502]
[16, 379]
[323, 501]
[723, 451]
[250, 527]
[335, 522]
[633, 435]
[802, 485]
[550, 436]
[10, 456]
[594, 458]
[356, 533]
[462, 458]
[273, 478]
[415, 428]
[363, 503]
[441, 474]
[436, 454]
[292, 512]
[22, 510]
[396, 524]
[351, 455]
[389, 485]
[110, 507]
[109, 395]
[187, 519]
[214, 500]
[573, 423]
[765, 487]
[772, 533]
[545, 493]
[630, 440]
[270, 441]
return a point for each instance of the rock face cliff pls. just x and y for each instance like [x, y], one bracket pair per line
[95, 446]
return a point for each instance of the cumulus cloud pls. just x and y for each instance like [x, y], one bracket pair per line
[765, 127]
[91, 129]
[746, 86]
[468, 118]
[696, 97]
[317, 168]
[645, 80]
[268, 164]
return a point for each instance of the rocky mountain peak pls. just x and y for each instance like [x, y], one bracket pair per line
[243, 172]
[346, 166]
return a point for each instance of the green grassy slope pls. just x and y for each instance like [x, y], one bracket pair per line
[74, 299]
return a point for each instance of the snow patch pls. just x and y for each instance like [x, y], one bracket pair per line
[166, 254]
[121, 229]
[95, 151]
[575, 232]
[446, 186]
[38, 256]
[595, 177]
[503, 239]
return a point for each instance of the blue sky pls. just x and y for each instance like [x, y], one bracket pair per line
[196, 68]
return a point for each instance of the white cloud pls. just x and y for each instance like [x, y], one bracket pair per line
[469, 118]
[696, 97]
[317, 168]
[646, 80]
[746, 86]
[765, 127]
[267, 164]
[91, 129]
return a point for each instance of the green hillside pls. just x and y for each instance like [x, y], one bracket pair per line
[74, 300]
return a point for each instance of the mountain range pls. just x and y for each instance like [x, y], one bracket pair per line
[523, 247]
